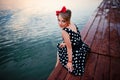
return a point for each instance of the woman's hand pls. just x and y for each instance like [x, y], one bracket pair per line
[69, 66]
[62, 45]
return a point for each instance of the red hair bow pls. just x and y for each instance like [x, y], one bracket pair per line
[62, 10]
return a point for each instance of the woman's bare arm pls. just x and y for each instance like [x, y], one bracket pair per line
[67, 41]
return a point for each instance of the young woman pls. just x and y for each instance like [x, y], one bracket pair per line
[71, 53]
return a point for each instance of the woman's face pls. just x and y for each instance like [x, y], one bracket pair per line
[62, 22]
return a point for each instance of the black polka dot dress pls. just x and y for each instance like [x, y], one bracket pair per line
[79, 52]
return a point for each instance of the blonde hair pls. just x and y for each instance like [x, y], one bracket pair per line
[66, 15]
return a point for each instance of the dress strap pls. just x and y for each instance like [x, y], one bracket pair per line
[77, 28]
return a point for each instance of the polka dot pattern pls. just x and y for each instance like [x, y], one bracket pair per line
[79, 49]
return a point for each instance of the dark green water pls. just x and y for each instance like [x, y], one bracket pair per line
[28, 42]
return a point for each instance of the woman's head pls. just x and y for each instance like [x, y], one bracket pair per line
[64, 17]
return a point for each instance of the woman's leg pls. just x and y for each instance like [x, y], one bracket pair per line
[57, 60]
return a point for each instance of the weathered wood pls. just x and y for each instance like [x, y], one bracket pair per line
[102, 71]
[55, 73]
[72, 77]
[68, 76]
[90, 36]
[62, 74]
[97, 40]
[115, 69]
[114, 39]
[104, 46]
[118, 28]
[85, 30]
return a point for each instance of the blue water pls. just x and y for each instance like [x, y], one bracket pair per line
[28, 42]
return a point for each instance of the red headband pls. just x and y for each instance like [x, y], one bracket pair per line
[62, 10]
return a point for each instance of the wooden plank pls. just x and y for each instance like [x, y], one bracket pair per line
[118, 28]
[101, 8]
[68, 76]
[92, 31]
[104, 48]
[115, 69]
[102, 70]
[72, 77]
[90, 67]
[117, 17]
[107, 4]
[97, 40]
[118, 22]
[62, 74]
[85, 30]
[55, 72]
[114, 39]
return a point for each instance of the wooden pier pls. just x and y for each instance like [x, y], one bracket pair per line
[102, 34]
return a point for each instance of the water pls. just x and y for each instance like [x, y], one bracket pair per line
[29, 35]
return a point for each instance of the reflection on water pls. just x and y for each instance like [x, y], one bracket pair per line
[29, 34]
